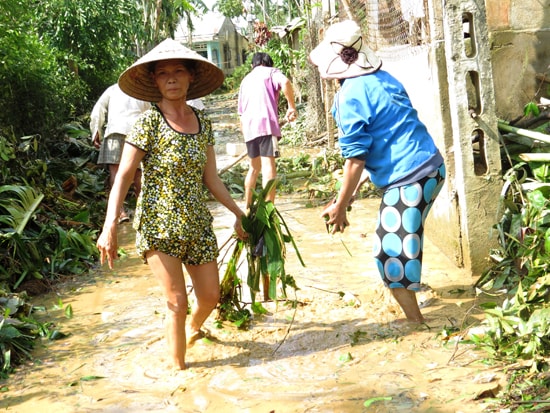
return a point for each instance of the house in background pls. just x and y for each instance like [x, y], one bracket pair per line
[291, 32]
[215, 37]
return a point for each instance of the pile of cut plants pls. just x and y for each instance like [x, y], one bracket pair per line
[49, 207]
[516, 328]
[265, 251]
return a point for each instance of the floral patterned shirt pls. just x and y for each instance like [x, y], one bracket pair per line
[171, 203]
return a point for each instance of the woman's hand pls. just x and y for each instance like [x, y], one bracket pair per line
[107, 244]
[335, 217]
[239, 230]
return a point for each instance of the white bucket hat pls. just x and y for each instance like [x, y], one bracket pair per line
[137, 82]
[343, 53]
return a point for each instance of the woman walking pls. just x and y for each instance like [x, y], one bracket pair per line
[174, 144]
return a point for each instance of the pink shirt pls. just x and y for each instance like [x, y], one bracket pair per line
[258, 102]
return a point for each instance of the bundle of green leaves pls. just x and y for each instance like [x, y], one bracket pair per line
[265, 249]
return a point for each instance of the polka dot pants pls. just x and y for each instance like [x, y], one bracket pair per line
[399, 239]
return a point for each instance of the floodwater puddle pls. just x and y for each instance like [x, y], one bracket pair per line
[338, 348]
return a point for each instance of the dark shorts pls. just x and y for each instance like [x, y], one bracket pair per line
[263, 146]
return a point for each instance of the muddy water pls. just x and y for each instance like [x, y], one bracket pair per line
[331, 353]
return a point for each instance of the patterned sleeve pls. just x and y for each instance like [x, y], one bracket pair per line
[143, 131]
[207, 127]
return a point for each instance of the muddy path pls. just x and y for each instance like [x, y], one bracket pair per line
[331, 353]
[342, 345]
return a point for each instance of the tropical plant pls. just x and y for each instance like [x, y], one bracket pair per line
[520, 326]
[16, 342]
[47, 207]
[265, 255]
[516, 324]
[17, 334]
[19, 330]
[31, 99]
[523, 230]
[271, 12]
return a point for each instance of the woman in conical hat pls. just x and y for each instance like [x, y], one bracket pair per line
[380, 132]
[173, 142]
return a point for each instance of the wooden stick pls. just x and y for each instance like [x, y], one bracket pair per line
[228, 167]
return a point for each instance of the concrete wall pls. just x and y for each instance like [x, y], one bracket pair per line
[420, 72]
[449, 79]
[519, 34]
[507, 54]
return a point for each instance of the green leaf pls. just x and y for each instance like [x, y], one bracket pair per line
[547, 241]
[376, 399]
[23, 207]
[57, 335]
[346, 357]
[258, 308]
[69, 311]
[537, 199]
[531, 109]
[91, 378]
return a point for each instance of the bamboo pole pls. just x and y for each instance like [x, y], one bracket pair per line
[502, 125]
[535, 157]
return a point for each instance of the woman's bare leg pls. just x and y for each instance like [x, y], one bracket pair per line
[206, 285]
[169, 272]
[407, 301]
[269, 172]
[254, 168]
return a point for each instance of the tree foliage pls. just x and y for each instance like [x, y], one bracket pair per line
[272, 13]
[30, 77]
[94, 39]
[58, 56]
[230, 8]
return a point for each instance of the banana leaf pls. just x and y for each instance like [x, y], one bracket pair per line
[19, 209]
[265, 248]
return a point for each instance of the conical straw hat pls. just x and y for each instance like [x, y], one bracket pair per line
[137, 82]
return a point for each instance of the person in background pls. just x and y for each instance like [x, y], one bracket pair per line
[116, 112]
[379, 130]
[258, 109]
[174, 144]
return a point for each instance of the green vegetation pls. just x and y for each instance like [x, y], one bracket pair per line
[265, 257]
[516, 328]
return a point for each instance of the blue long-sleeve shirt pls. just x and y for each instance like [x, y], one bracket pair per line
[378, 124]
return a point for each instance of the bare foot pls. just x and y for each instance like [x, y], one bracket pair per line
[407, 301]
[178, 367]
[194, 336]
[162, 369]
[405, 322]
